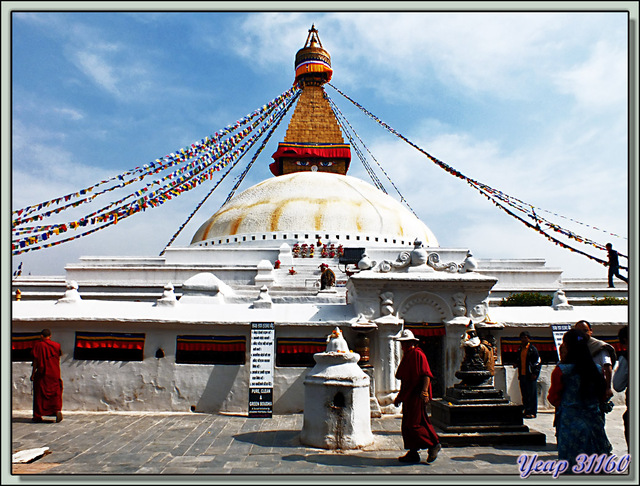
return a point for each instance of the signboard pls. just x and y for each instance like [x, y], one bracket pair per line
[261, 364]
[558, 331]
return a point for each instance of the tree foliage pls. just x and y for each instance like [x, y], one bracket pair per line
[527, 299]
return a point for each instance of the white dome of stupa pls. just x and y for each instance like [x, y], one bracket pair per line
[309, 205]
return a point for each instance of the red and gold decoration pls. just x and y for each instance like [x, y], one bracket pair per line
[427, 329]
[301, 345]
[313, 63]
[93, 340]
[512, 344]
[297, 157]
[211, 343]
[24, 340]
[308, 250]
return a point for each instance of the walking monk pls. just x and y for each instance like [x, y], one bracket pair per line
[415, 392]
[47, 383]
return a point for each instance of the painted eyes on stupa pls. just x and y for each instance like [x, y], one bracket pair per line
[306, 163]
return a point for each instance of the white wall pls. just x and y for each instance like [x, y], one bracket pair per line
[157, 383]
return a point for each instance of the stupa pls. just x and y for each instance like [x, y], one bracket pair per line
[312, 194]
[474, 412]
[173, 332]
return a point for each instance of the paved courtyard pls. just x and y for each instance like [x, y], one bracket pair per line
[194, 445]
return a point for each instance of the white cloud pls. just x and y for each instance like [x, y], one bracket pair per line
[599, 83]
[98, 70]
[471, 53]
[44, 167]
[117, 69]
[263, 38]
[69, 113]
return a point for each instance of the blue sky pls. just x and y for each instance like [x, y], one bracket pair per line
[534, 104]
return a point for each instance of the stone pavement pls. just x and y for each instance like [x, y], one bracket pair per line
[193, 444]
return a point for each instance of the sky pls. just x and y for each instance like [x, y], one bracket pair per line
[534, 104]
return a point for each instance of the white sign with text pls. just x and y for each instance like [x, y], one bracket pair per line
[558, 331]
[261, 369]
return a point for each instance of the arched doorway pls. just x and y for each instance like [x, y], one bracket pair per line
[432, 343]
[424, 314]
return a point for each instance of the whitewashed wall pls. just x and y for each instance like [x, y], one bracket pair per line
[158, 383]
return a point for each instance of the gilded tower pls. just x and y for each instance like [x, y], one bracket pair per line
[313, 141]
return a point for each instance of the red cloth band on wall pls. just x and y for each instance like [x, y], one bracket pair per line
[426, 329]
[109, 340]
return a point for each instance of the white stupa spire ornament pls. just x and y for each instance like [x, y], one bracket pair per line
[168, 296]
[336, 343]
[71, 295]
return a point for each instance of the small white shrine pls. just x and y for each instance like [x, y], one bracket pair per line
[337, 414]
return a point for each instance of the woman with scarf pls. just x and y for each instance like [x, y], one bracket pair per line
[577, 390]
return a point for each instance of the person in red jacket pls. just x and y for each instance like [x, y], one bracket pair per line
[47, 382]
[415, 377]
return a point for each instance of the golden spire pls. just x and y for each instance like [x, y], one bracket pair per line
[313, 63]
[313, 141]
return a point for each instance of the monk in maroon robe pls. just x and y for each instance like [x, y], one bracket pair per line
[415, 376]
[47, 383]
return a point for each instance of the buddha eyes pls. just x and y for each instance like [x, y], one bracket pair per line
[306, 163]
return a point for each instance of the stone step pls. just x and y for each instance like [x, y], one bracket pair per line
[468, 439]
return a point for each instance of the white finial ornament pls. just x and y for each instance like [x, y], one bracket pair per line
[336, 342]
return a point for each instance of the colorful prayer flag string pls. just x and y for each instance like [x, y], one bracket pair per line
[212, 144]
[346, 127]
[242, 176]
[187, 177]
[493, 194]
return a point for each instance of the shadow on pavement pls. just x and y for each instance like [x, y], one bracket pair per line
[491, 458]
[348, 460]
[271, 438]
[27, 420]
[387, 432]
[548, 447]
